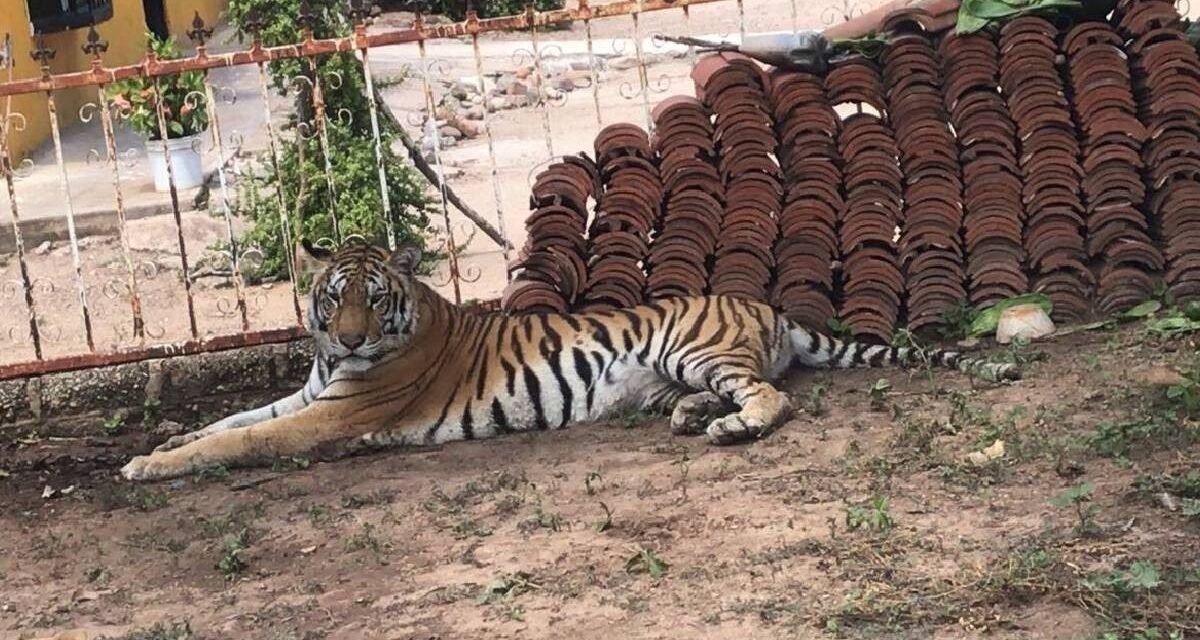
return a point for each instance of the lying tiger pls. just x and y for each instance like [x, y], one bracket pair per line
[396, 365]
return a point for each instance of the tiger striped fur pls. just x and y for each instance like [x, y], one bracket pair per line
[399, 365]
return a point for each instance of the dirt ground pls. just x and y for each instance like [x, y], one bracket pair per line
[862, 517]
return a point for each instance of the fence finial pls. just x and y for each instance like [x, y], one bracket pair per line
[306, 19]
[199, 33]
[359, 10]
[42, 54]
[253, 24]
[95, 45]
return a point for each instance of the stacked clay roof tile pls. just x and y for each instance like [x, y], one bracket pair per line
[992, 211]
[872, 284]
[807, 247]
[1113, 191]
[1065, 160]
[693, 199]
[1166, 79]
[734, 88]
[1050, 171]
[931, 249]
[552, 269]
[626, 212]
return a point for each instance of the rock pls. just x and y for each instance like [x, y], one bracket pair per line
[1159, 376]
[168, 428]
[516, 102]
[449, 132]
[1023, 321]
[459, 92]
[516, 88]
[43, 248]
[523, 71]
[470, 129]
[497, 104]
[469, 85]
[474, 113]
[623, 63]
[564, 84]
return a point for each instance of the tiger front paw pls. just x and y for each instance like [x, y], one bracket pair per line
[151, 467]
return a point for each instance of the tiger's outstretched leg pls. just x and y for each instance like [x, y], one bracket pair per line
[694, 412]
[315, 429]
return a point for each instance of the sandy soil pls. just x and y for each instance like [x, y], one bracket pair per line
[620, 530]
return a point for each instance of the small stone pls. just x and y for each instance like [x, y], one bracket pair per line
[497, 104]
[447, 131]
[458, 92]
[523, 71]
[470, 129]
[623, 63]
[44, 248]
[474, 113]
[477, 100]
[516, 102]
[516, 89]
[564, 84]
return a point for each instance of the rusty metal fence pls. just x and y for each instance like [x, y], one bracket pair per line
[106, 319]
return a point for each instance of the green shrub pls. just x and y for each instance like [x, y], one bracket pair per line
[310, 210]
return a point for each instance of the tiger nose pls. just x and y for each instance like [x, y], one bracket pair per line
[352, 341]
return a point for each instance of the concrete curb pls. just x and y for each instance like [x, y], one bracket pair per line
[171, 383]
[99, 222]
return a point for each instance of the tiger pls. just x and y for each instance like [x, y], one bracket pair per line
[398, 365]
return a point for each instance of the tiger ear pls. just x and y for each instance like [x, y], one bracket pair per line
[405, 259]
[310, 258]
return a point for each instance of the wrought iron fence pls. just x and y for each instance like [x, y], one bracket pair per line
[79, 317]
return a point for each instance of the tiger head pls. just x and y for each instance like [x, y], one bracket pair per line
[363, 302]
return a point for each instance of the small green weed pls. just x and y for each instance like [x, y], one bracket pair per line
[231, 564]
[815, 401]
[646, 561]
[1078, 498]
[878, 394]
[160, 631]
[114, 424]
[872, 515]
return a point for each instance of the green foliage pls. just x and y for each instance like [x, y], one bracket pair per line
[646, 561]
[181, 96]
[310, 204]
[231, 564]
[1078, 497]
[457, 9]
[872, 515]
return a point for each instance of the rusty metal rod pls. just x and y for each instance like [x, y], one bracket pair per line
[414, 153]
[151, 67]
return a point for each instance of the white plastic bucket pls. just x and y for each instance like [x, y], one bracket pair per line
[185, 162]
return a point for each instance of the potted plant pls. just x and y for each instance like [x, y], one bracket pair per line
[181, 97]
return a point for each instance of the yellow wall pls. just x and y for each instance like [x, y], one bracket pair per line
[125, 33]
[181, 12]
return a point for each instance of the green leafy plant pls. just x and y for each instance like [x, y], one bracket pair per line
[872, 515]
[1078, 497]
[180, 97]
[230, 564]
[457, 9]
[300, 191]
[114, 424]
[646, 561]
[878, 394]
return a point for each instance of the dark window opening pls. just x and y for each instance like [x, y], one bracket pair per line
[50, 16]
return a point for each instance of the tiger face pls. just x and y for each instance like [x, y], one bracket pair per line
[362, 303]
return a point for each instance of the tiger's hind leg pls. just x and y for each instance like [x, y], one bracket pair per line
[694, 412]
[761, 407]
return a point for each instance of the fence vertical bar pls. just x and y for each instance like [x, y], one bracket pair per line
[540, 79]
[254, 25]
[497, 192]
[94, 47]
[163, 132]
[741, 20]
[358, 13]
[199, 34]
[306, 20]
[6, 167]
[641, 65]
[593, 62]
[43, 55]
[431, 112]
